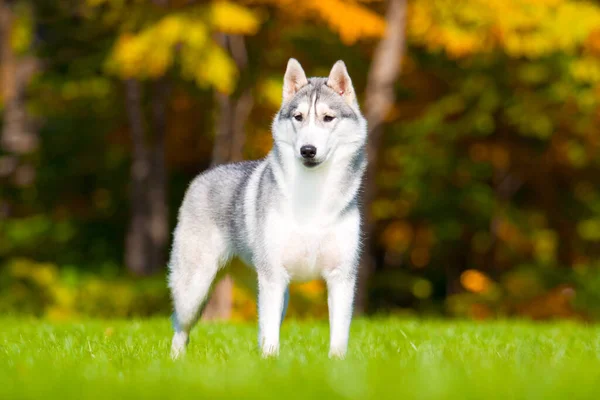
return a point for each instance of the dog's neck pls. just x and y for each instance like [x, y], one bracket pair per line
[319, 193]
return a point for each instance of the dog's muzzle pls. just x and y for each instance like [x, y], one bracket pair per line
[308, 153]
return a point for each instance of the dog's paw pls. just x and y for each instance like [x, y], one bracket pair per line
[270, 351]
[178, 346]
[337, 354]
[177, 353]
[177, 350]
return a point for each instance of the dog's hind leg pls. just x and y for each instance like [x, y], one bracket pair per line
[193, 267]
[286, 300]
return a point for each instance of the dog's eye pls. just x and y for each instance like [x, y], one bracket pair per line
[328, 118]
[298, 117]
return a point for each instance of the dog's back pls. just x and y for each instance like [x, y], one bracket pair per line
[213, 207]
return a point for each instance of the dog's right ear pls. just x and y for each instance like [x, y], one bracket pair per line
[294, 79]
[340, 81]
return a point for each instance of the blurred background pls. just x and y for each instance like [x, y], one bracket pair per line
[483, 193]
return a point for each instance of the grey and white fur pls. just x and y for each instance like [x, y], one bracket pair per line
[292, 216]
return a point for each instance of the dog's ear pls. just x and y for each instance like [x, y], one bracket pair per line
[340, 81]
[294, 79]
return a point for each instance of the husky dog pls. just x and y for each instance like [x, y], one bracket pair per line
[293, 216]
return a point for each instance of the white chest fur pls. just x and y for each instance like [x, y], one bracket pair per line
[310, 244]
[306, 253]
[304, 232]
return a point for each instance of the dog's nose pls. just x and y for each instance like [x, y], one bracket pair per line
[308, 151]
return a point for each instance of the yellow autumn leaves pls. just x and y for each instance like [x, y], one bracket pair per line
[521, 28]
[233, 19]
[185, 37]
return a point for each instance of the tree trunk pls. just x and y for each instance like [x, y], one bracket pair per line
[18, 136]
[137, 243]
[380, 98]
[223, 131]
[230, 137]
[148, 232]
[157, 184]
[243, 104]
[220, 304]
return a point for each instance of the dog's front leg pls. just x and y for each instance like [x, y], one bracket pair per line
[271, 293]
[340, 298]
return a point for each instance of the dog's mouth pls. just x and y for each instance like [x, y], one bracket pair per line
[311, 163]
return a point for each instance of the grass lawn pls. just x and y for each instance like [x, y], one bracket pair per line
[388, 358]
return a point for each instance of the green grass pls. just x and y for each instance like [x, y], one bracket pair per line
[388, 358]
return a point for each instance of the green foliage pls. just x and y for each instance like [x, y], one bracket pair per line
[22, 29]
[492, 161]
[69, 293]
[41, 289]
[388, 358]
[488, 201]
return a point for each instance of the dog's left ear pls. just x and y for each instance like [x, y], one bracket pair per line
[340, 81]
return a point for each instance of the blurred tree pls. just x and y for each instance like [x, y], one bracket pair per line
[230, 135]
[19, 135]
[148, 231]
[137, 244]
[147, 51]
[233, 109]
[379, 100]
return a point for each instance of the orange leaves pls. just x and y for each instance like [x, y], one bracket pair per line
[496, 155]
[592, 42]
[307, 300]
[351, 21]
[475, 281]
[398, 235]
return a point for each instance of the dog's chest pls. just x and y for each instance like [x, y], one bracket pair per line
[309, 245]
[306, 253]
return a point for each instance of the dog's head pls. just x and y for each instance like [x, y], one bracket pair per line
[318, 116]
